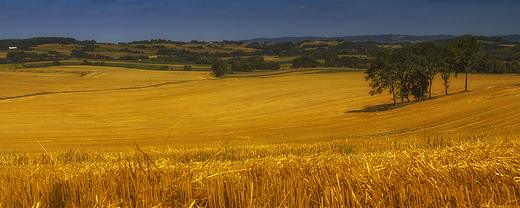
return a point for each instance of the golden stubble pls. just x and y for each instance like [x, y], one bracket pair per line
[109, 108]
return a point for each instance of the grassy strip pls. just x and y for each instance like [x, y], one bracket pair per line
[125, 64]
[338, 70]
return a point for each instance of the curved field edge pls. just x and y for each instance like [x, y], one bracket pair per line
[446, 171]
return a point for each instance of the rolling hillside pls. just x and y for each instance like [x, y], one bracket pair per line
[111, 108]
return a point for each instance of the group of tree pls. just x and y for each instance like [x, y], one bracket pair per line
[347, 61]
[305, 62]
[410, 71]
[82, 54]
[22, 56]
[26, 44]
[330, 60]
[134, 58]
[130, 51]
[233, 42]
[85, 62]
[252, 63]
[497, 67]
[221, 68]
[89, 47]
[186, 56]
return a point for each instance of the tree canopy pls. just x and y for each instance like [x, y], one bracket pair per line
[410, 71]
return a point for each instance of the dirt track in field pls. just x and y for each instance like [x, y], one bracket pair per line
[110, 108]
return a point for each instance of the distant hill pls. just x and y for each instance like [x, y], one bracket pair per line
[515, 37]
[283, 39]
[396, 38]
[390, 38]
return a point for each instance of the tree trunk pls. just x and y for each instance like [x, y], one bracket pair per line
[446, 86]
[466, 85]
[393, 91]
[430, 93]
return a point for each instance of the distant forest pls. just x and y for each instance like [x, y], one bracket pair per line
[504, 55]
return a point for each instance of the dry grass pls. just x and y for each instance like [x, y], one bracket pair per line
[357, 56]
[279, 59]
[390, 46]
[444, 171]
[507, 45]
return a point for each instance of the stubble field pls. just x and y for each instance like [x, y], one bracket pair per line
[77, 136]
[67, 108]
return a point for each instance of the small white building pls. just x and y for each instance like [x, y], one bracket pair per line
[13, 47]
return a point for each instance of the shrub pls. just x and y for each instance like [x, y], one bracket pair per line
[56, 63]
[165, 67]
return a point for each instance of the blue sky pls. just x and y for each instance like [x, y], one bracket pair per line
[185, 20]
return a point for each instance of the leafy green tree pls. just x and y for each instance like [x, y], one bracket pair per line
[305, 62]
[431, 59]
[255, 59]
[244, 66]
[382, 75]
[401, 71]
[465, 49]
[187, 68]
[220, 68]
[447, 65]
[403, 63]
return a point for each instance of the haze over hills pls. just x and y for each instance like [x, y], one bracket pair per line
[390, 38]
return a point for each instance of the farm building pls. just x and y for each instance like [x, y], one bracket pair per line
[13, 47]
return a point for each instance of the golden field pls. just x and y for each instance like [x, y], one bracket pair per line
[72, 107]
[85, 136]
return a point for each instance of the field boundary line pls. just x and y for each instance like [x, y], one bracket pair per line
[101, 90]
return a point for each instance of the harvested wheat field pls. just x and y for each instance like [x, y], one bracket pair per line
[77, 136]
[108, 108]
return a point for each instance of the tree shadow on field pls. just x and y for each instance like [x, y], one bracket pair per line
[379, 108]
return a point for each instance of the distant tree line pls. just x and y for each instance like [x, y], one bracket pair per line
[252, 63]
[82, 54]
[85, 62]
[410, 71]
[502, 57]
[26, 44]
[231, 42]
[221, 68]
[22, 56]
[495, 39]
[187, 56]
[131, 51]
[331, 60]
[303, 48]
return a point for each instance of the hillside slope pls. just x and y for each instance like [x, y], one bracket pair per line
[291, 107]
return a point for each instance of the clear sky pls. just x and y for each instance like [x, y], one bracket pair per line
[185, 20]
